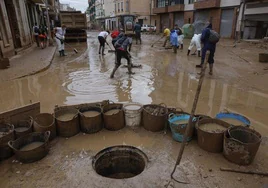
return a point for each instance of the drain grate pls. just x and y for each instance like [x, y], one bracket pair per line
[120, 162]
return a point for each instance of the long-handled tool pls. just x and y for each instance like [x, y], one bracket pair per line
[111, 50]
[75, 50]
[156, 41]
[190, 121]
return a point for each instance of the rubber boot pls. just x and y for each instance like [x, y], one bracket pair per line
[103, 51]
[63, 54]
[100, 50]
[199, 54]
[200, 66]
[129, 68]
[114, 70]
[60, 53]
[181, 46]
[188, 52]
[210, 69]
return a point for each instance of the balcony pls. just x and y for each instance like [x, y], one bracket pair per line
[176, 8]
[159, 10]
[204, 4]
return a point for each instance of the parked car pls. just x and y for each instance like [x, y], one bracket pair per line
[148, 28]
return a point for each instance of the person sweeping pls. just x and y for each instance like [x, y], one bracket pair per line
[60, 36]
[166, 34]
[102, 40]
[123, 47]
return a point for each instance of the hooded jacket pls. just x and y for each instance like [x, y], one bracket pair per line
[205, 39]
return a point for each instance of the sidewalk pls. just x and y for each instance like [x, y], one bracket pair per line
[29, 62]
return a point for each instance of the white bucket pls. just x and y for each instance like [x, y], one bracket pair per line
[133, 114]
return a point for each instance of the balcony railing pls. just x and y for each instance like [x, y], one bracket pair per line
[203, 4]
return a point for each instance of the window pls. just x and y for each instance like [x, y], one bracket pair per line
[122, 6]
[191, 1]
[118, 6]
[176, 2]
[127, 6]
[115, 7]
[161, 3]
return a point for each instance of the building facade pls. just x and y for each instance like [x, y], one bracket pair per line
[17, 18]
[228, 17]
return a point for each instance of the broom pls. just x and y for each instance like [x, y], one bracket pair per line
[75, 50]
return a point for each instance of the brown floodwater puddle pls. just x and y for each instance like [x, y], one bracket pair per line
[160, 80]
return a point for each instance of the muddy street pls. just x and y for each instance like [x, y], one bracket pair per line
[238, 85]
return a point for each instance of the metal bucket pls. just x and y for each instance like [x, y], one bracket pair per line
[31, 155]
[152, 121]
[116, 121]
[23, 127]
[178, 130]
[45, 122]
[70, 127]
[133, 114]
[212, 142]
[233, 116]
[241, 145]
[90, 124]
[6, 135]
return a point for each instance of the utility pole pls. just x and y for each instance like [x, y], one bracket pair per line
[50, 42]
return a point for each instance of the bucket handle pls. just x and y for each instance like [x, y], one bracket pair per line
[46, 135]
[225, 111]
[10, 144]
[171, 115]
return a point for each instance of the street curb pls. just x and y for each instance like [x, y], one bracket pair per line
[40, 70]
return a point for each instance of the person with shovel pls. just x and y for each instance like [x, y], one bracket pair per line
[102, 40]
[60, 36]
[123, 47]
[137, 30]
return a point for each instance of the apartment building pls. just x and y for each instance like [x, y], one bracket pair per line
[255, 24]
[221, 13]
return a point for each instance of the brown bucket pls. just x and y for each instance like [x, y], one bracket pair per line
[210, 141]
[68, 126]
[6, 135]
[90, 124]
[36, 153]
[154, 121]
[23, 127]
[45, 122]
[241, 145]
[115, 121]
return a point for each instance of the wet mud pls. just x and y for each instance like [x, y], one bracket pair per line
[164, 78]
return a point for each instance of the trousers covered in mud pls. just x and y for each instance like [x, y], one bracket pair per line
[60, 44]
[122, 54]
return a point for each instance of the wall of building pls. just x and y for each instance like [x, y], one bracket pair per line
[6, 41]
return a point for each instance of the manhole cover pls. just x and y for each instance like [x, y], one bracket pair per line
[120, 162]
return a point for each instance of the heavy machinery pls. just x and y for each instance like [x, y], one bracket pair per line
[76, 24]
[127, 23]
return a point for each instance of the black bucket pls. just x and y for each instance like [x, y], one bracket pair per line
[241, 145]
[6, 135]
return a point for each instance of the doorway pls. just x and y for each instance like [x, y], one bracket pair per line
[14, 27]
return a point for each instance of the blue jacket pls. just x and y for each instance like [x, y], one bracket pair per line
[174, 38]
[205, 39]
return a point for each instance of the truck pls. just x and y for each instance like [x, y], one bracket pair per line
[127, 23]
[76, 24]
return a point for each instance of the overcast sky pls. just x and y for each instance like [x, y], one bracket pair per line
[77, 4]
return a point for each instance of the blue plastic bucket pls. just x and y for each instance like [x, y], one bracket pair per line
[179, 129]
[234, 116]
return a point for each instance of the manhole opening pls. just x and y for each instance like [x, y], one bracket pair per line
[120, 162]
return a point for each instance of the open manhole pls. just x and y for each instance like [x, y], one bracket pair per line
[120, 162]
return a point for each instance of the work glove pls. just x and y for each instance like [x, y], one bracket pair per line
[61, 41]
